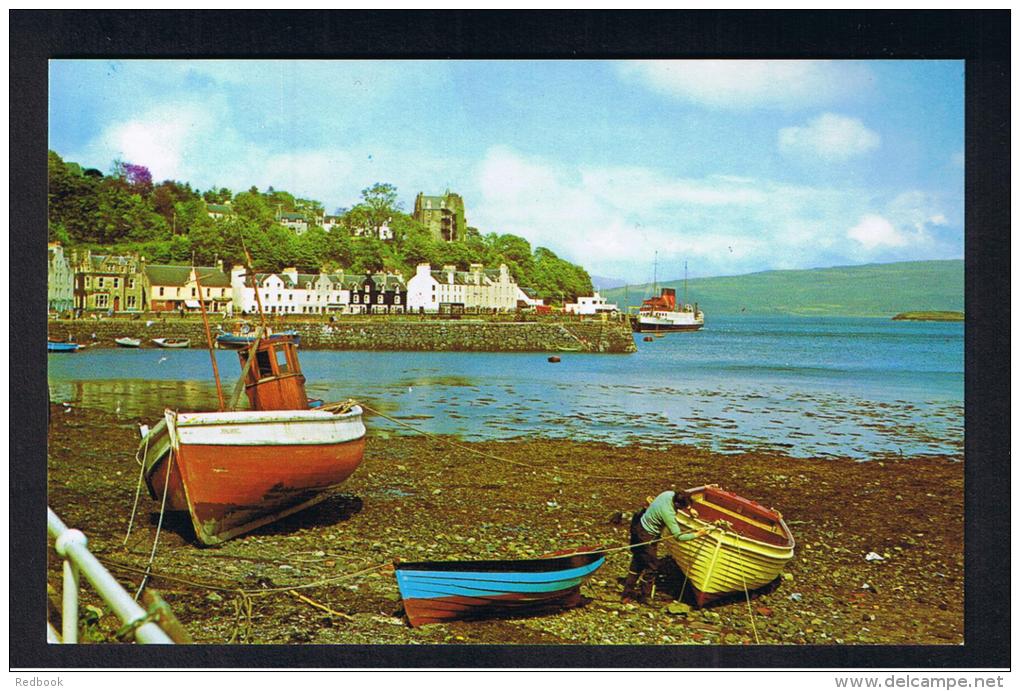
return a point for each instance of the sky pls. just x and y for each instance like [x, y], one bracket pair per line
[629, 168]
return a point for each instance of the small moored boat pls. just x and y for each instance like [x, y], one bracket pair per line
[747, 548]
[62, 347]
[172, 342]
[435, 591]
[128, 342]
[238, 341]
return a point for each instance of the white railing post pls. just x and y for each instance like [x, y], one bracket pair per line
[71, 545]
[70, 616]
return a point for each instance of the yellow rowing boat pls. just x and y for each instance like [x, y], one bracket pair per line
[747, 546]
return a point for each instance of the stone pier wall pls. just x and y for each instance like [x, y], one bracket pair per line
[591, 336]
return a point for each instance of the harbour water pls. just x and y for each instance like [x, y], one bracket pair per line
[806, 386]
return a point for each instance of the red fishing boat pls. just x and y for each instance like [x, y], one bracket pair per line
[234, 471]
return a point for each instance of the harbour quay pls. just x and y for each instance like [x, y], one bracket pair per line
[407, 333]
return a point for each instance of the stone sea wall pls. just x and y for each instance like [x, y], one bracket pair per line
[591, 336]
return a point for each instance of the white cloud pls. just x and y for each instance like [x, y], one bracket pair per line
[612, 220]
[744, 84]
[831, 137]
[873, 231]
[159, 139]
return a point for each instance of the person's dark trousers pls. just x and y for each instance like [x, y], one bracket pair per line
[644, 562]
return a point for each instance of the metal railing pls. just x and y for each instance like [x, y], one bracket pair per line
[72, 545]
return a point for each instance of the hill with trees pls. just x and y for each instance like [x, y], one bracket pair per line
[168, 222]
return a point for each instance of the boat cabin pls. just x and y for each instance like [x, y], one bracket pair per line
[274, 380]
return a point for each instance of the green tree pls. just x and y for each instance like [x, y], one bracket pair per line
[254, 207]
[367, 255]
[380, 203]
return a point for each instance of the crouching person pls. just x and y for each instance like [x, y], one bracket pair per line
[646, 527]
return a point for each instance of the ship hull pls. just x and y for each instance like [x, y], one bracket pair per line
[646, 327]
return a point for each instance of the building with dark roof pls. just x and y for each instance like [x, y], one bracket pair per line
[290, 292]
[296, 221]
[175, 288]
[489, 290]
[108, 283]
[218, 211]
[443, 215]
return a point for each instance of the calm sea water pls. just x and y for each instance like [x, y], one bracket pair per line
[807, 386]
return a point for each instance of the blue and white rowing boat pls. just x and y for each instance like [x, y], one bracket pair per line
[434, 591]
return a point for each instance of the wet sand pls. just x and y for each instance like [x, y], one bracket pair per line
[419, 498]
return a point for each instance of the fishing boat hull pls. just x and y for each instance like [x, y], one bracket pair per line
[128, 342]
[748, 554]
[57, 347]
[443, 591]
[237, 471]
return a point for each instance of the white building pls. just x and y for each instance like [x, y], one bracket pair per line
[476, 288]
[595, 304]
[523, 298]
[289, 292]
[59, 280]
[293, 220]
[383, 233]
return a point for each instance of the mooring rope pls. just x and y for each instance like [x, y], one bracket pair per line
[159, 526]
[503, 459]
[250, 591]
[138, 487]
[747, 596]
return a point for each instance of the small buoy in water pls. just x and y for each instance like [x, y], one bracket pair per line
[554, 358]
[648, 339]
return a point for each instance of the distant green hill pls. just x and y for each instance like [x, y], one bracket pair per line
[868, 290]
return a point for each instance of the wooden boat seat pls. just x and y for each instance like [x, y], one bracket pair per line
[747, 519]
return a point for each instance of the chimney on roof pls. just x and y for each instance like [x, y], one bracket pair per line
[291, 272]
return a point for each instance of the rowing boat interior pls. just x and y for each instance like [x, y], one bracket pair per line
[746, 518]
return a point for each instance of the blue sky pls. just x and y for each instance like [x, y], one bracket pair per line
[733, 166]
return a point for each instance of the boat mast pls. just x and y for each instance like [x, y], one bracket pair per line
[655, 274]
[208, 339]
[685, 281]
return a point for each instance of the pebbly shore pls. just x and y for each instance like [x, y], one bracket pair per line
[422, 498]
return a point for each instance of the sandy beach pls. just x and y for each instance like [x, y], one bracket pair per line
[321, 576]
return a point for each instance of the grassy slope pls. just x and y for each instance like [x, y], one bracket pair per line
[877, 290]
